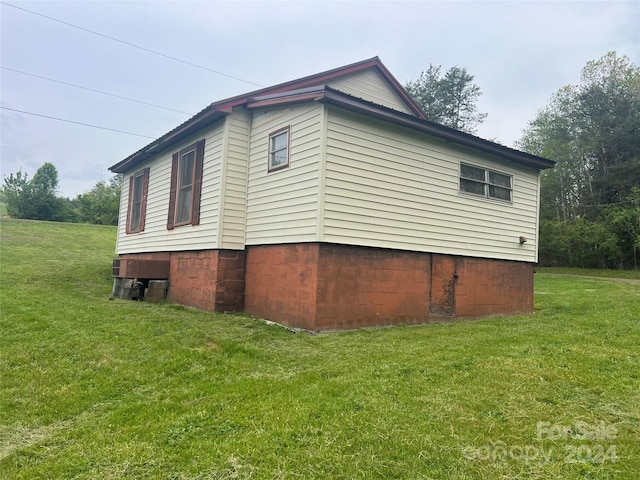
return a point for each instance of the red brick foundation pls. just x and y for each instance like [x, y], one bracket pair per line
[493, 287]
[282, 283]
[359, 287]
[335, 287]
[206, 279]
[318, 286]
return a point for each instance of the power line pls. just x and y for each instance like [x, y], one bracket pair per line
[132, 45]
[77, 123]
[94, 90]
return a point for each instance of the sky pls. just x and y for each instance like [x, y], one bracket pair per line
[519, 53]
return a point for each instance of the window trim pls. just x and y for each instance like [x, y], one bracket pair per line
[142, 213]
[182, 186]
[486, 183]
[271, 152]
[196, 190]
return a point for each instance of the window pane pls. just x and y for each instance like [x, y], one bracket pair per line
[499, 179]
[135, 217]
[183, 212]
[470, 186]
[279, 158]
[500, 193]
[185, 187]
[137, 188]
[136, 203]
[473, 173]
[186, 169]
[280, 141]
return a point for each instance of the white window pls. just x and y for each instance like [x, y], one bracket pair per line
[186, 186]
[138, 187]
[485, 183]
[279, 149]
[186, 173]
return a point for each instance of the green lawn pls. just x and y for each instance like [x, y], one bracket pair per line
[590, 272]
[109, 389]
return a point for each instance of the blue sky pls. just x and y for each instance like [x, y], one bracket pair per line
[519, 52]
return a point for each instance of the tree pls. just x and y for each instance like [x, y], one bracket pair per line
[450, 99]
[17, 192]
[44, 186]
[591, 131]
[34, 199]
[551, 135]
[624, 221]
[101, 204]
[609, 107]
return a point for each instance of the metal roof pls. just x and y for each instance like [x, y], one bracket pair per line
[313, 89]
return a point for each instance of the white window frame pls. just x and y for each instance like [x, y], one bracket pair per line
[181, 201]
[273, 151]
[486, 183]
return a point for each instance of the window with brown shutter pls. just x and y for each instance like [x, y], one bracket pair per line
[137, 209]
[186, 186]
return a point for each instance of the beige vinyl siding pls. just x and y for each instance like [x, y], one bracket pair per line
[370, 85]
[282, 205]
[391, 187]
[156, 237]
[234, 187]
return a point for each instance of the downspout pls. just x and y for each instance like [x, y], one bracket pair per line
[322, 171]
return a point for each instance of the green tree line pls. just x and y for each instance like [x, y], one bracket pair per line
[590, 202]
[37, 199]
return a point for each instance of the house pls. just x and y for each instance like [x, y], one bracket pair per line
[331, 202]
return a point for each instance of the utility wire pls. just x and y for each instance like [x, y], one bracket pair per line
[77, 123]
[132, 44]
[94, 90]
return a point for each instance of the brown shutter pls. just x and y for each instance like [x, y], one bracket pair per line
[145, 191]
[128, 228]
[172, 192]
[197, 183]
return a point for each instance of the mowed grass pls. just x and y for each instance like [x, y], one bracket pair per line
[591, 272]
[99, 388]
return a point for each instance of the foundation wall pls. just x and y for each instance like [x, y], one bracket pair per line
[442, 302]
[316, 286]
[337, 287]
[230, 281]
[359, 287]
[493, 287]
[281, 283]
[206, 279]
[192, 279]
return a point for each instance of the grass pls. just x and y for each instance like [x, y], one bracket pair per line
[110, 389]
[591, 272]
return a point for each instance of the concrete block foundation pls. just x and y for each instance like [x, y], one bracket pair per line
[323, 287]
[206, 279]
[319, 286]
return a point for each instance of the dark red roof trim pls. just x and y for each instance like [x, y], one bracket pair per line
[311, 88]
[339, 99]
[324, 94]
[219, 109]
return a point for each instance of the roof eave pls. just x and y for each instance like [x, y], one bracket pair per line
[201, 120]
[225, 106]
[342, 100]
[312, 88]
